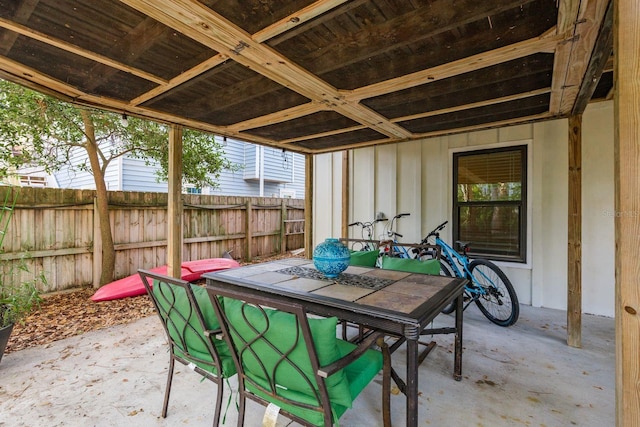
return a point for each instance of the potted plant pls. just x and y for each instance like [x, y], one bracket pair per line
[17, 300]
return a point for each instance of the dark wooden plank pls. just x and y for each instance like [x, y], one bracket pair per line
[601, 54]
[475, 116]
[377, 51]
[442, 48]
[254, 15]
[339, 140]
[517, 76]
[323, 121]
[227, 94]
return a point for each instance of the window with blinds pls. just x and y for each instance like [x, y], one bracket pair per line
[489, 202]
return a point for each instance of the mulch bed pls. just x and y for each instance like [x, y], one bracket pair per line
[66, 314]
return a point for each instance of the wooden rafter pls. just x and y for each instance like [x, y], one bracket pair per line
[68, 47]
[284, 51]
[466, 65]
[579, 22]
[200, 23]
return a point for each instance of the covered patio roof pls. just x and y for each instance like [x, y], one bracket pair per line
[329, 75]
[315, 76]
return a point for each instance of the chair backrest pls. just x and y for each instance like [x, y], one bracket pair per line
[190, 323]
[281, 355]
[364, 252]
[426, 261]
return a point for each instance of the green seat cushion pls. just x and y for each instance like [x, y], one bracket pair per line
[358, 374]
[431, 266]
[185, 329]
[364, 258]
[274, 333]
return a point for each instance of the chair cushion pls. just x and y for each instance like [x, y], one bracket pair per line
[194, 340]
[359, 373]
[294, 374]
[364, 258]
[431, 266]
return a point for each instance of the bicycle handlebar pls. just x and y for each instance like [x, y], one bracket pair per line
[367, 224]
[434, 232]
[401, 215]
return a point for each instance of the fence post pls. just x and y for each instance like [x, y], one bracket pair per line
[248, 235]
[283, 228]
[97, 246]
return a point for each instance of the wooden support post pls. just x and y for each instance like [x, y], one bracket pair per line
[308, 206]
[574, 240]
[283, 227]
[174, 203]
[345, 193]
[627, 210]
[248, 232]
[97, 246]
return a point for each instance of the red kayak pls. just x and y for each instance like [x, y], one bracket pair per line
[132, 286]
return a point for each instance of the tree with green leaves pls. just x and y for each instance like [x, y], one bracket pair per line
[42, 131]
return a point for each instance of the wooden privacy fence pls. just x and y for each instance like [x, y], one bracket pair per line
[54, 231]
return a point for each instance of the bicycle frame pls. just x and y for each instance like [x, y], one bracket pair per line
[397, 250]
[366, 232]
[460, 265]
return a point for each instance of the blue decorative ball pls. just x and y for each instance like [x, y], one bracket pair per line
[331, 257]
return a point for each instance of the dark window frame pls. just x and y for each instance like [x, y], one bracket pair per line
[521, 257]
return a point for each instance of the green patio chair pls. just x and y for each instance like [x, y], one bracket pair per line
[191, 327]
[294, 364]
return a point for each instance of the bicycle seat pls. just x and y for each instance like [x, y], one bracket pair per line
[463, 247]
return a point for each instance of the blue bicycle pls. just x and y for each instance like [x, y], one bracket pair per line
[488, 286]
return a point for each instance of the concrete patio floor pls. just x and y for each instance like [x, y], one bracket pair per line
[522, 375]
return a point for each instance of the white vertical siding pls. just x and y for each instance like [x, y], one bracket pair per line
[417, 177]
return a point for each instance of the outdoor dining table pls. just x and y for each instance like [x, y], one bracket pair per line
[401, 304]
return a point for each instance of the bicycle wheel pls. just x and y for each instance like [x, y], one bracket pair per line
[499, 303]
[447, 270]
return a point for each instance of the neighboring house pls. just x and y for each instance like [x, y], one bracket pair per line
[510, 200]
[283, 174]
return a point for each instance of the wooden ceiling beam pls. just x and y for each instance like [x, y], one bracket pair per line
[473, 105]
[427, 22]
[581, 25]
[68, 47]
[135, 43]
[421, 115]
[201, 24]
[433, 134]
[326, 17]
[180, 79]
[490, 125]
[296, 19]
[451, 69]
[284, 25]
[13, 71]
[597, 63]
[279, 116]
[23, 12]
[323, 134]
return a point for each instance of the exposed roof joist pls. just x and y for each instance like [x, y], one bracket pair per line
[313, 76]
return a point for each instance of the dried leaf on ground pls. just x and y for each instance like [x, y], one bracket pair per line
[66, 314]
